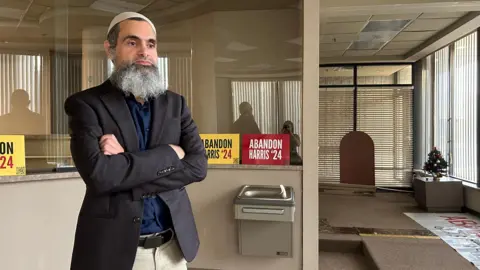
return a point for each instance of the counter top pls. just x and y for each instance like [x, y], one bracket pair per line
[69, 175]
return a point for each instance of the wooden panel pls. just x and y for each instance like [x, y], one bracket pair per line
[357, 159]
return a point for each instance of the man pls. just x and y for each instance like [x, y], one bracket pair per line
[136, 147]
[245, 124]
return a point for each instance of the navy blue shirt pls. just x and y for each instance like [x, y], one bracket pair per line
[156, 216]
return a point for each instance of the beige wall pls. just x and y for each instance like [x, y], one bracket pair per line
[213, 207]
[37, 233]
[38, 223]
[471, 197]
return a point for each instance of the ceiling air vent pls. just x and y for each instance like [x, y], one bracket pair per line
[381, 26]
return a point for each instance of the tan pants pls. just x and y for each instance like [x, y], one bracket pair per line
[166, 257]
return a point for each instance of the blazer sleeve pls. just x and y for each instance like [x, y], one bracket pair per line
[112, 173]
[194, 164]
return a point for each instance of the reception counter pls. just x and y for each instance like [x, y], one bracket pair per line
[39, 216]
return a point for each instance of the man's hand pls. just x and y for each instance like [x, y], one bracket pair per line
[110, 145]
[178, 150]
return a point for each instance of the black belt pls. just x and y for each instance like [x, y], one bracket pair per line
[155, 240]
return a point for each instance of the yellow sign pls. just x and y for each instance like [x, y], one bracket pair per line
[12, 155]
[222, 148]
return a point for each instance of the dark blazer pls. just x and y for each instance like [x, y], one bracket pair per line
[109, 220]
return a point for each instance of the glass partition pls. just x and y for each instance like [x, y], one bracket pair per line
[233, 61]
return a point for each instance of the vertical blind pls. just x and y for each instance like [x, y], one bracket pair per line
[66, 74]
[263, 97]
[335, 120]
[179, 76]
[464, 109]
[290, 107]
[426, 127]
[454, 113]
[27, 72]
[441, 100]
[273, 103]
[385, 114]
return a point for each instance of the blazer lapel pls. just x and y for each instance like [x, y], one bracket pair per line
[159, 108]
[114, 100]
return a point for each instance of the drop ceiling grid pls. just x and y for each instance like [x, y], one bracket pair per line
[336, 32]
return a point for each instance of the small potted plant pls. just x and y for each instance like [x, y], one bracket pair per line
[435, 164]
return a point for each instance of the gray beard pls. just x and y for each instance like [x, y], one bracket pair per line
[141, 81]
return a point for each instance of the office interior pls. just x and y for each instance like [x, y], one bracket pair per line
[402, 71]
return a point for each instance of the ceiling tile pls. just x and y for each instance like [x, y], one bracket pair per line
[366, 45]
[10, 13]
[341, 28]
[395, 45]
[339, 19]
[330, 53]
[442, 15]
[429, 24]
[414, 36]
[360, 53]
[35, 11]
[392, 52]
[160, 5]
[334, 46]
[394, 17]
[340, 38]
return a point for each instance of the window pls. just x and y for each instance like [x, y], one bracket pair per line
[386, 115]
[464, 109]
[335, 120]
[273, 103]
[26, 73]
[441, 104]
[425, 141]
[454, 113]
[383, 112]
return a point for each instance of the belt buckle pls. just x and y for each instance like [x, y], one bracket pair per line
[153, 241]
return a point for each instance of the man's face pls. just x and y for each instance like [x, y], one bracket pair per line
[136, 44]
[135, 59]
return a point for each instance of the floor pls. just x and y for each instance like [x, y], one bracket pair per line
[384, 211]
[342, 261]
[380, 234]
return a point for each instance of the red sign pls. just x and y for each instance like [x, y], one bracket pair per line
[464, 222]
[266, 149]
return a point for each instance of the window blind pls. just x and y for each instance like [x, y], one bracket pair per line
[426, 126]
[335, 120]
[441, 101]
[464, 109]
[385, 114]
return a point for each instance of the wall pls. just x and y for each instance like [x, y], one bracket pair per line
[213, 206]
[37, 233]
[471, 197]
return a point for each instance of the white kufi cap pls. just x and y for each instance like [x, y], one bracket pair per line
[127, 15]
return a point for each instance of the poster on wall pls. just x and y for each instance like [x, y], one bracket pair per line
[222, 148]
[460, 231]
[266, 149]
[12, 155]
